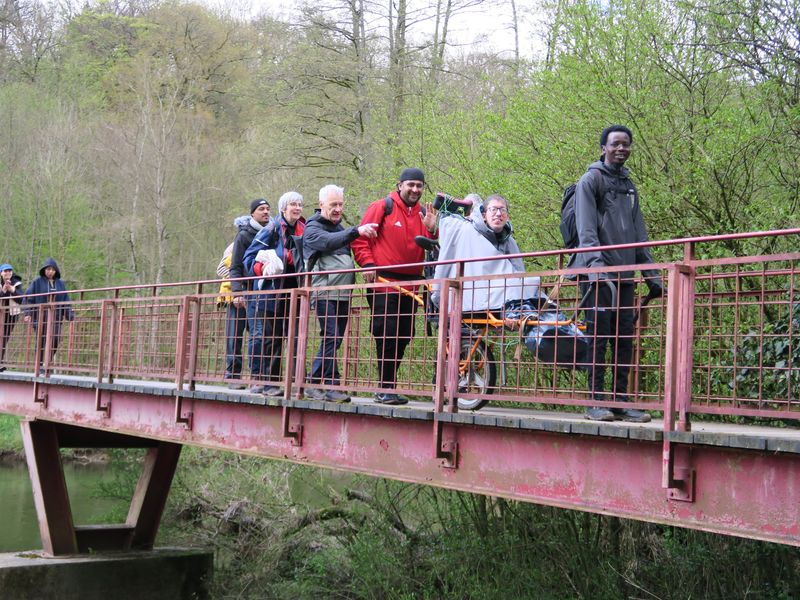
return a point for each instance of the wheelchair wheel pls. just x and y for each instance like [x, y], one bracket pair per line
[479, 377]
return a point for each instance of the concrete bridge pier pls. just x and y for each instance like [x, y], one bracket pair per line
[160, 574]
[100, 561]
[60, 536]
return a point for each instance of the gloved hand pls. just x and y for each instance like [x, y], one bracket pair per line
[656, 290]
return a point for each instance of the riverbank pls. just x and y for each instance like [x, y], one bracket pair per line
[11, 449]
[10, 439]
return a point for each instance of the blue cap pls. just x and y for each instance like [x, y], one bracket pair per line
[6, 267]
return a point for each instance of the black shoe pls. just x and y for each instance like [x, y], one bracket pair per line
[2, 368]
[272, 390]
[393, 399]
[599, 414]
[631, 415]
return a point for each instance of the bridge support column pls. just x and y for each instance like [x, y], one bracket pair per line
[60, 536]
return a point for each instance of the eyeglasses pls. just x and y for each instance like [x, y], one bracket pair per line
[497, 210]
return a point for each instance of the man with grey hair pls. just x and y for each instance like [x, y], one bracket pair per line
[273, 253]
[326, 247]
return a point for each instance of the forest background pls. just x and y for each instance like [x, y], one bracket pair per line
[133, 133]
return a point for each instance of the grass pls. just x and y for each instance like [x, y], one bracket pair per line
[10, 437]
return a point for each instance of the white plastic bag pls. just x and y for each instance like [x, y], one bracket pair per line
[273, 265]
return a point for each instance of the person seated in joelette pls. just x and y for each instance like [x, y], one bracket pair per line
[487, 232]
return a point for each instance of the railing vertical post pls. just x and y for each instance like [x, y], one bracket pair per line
[441, 348]
[299, 319]
[294, 431]
[180, 358]
[454, 342]
[671, 349]
[194, 342]
[685, 345]
[106, 306]
[449, 339]
[677, 474]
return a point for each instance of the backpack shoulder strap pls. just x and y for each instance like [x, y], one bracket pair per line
[601, 191]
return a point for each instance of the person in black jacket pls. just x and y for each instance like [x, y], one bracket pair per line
[326, 247]
[48, 288]
[10, 284]
[607, 213]
[243, 306]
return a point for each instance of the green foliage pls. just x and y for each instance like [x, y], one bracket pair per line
[767, 358]
[284, 531]
[10, 436]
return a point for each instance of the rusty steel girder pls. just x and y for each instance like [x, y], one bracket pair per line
[741, 484]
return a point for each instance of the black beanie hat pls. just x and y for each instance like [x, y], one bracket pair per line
[412, 174]
[256, 203]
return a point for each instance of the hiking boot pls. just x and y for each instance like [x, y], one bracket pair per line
[599, 414]
[337, 396]
[631, 415]
[315, 394]
[393, 399]
[256, 389]
[273, 391]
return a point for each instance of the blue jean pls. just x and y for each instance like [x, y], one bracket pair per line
[332, 316]
[255, 323]
[236, 322]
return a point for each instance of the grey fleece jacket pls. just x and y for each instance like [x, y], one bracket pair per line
[330, 243]
[618, 220]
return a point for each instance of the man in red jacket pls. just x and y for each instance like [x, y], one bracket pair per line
[401, 219]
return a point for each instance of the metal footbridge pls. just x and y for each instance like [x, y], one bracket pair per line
[713, 362]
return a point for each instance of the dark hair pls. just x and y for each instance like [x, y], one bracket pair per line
[611, 129]
[496, 197]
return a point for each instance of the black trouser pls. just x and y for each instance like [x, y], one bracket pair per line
[235, 326]
[54, 341]
[392, 328]
[333, 316]
[8, 325]
[609, 326]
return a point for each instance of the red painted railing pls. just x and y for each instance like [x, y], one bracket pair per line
[721, 341]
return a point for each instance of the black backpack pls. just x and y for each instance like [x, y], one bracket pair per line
[568, 226]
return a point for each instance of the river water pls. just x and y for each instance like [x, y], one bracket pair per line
[19, 529]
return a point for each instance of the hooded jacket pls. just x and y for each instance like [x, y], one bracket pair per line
[247, 232]
[57, 292]
[327, 245]
[616, 218]
[461, 238]
[503, 242]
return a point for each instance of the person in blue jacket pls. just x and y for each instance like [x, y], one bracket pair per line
[48, 287]
[273, 251]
